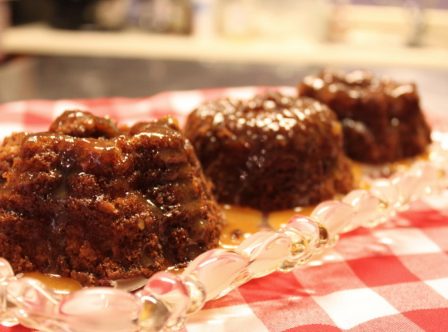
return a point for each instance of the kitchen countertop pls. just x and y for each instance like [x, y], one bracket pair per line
[56, 77]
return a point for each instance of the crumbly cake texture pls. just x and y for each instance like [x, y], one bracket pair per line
[271, 152]
[96, 203]
[381, 118]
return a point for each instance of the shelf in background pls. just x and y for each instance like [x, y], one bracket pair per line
[42, 40]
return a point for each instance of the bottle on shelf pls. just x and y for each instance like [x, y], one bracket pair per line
[161, 16]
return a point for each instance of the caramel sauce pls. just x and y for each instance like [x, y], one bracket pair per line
[59, 284]
[177, 269]
[359, 176]
[240, 222]
[368, 172]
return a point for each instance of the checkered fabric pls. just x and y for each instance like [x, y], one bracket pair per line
[391, 278]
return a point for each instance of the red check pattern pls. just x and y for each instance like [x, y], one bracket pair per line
[392, 278]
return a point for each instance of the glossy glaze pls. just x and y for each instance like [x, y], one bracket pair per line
[381, 118]
[270, 152]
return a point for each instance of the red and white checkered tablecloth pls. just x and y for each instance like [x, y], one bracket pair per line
[392, 278]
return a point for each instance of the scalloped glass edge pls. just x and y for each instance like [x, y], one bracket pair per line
[167, 299]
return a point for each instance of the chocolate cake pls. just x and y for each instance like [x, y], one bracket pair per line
[382, 119]
[270, 152]
[96, 203]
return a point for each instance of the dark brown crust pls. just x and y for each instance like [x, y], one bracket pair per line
[119, 205]
[271, 152]
[381, 118]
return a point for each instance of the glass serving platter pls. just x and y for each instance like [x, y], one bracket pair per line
[241, 222]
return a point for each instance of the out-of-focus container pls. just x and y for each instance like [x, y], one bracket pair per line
[236, 18]
[204, 19]
[306, 20]
[4, 21]
[72, 14]
[160, 16]
[111, 14]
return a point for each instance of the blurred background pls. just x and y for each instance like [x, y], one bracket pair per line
[100, 48]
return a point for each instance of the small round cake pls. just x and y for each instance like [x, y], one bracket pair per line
[271, 152]
[97, 203]
[382, 119]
